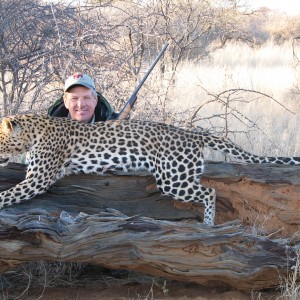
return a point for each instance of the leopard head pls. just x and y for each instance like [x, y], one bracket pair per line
[11, 142]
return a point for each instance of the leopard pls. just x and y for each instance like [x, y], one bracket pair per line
[60, 146]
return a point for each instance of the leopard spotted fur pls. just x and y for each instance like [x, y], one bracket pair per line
[59, 146]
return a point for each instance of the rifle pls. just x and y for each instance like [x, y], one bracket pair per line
[130, 102]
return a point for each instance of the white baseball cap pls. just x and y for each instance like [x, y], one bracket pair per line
[80, 79]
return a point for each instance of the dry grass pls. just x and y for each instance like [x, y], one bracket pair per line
[290, 287]
[267, 125]
[17, 283]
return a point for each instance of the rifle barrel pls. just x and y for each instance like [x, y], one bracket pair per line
[130, 102]
[151, 68]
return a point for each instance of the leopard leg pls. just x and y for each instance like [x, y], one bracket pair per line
[180, 178]
[35, 183]
[209, 201]
[25, 190]
[189, 191]
[201, 195]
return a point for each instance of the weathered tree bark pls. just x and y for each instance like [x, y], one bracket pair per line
[222, 255]
[184, 250]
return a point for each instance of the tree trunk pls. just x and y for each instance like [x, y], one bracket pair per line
[146, 238]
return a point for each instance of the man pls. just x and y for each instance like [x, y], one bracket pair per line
[81, 101]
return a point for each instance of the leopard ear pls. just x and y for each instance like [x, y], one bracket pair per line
[8, 126]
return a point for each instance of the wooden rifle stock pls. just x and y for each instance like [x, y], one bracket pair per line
[130, 102]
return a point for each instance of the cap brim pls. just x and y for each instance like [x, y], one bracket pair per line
[80, 84]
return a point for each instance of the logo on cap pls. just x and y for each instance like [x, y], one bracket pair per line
[77, 75]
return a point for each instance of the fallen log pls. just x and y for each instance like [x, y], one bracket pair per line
[265, 197]
[155, 235]
[221, 255]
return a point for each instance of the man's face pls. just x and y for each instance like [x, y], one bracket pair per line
[81, 103]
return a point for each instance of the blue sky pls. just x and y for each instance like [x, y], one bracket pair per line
[289, 6]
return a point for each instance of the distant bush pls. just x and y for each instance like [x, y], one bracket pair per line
[113, 41]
